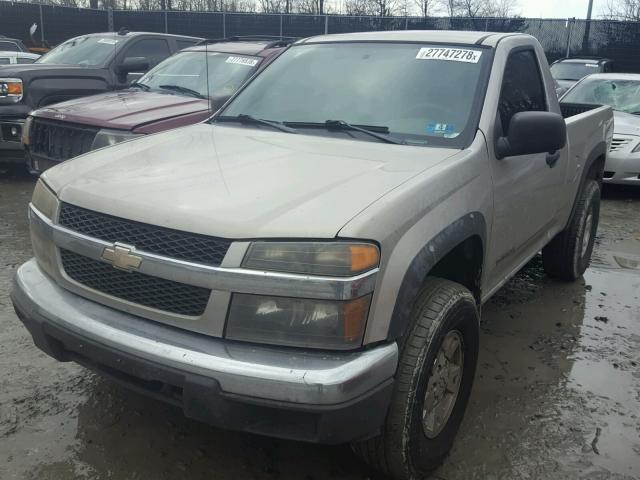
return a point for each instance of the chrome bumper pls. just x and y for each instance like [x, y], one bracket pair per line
[266, 373]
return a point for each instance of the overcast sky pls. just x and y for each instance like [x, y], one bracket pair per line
[560, 8]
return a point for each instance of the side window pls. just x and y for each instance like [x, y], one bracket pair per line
[185, 44]
[9, 46]
[154, 49]
[25, 60]
[522, 87]
[4, 61]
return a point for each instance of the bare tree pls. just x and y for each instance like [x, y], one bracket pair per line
[622, 10]
[427, 7]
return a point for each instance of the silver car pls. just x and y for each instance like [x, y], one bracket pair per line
[12, 58]
[621, 91]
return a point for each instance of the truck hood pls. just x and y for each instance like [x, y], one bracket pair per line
[238, 182]
[124, 109]
[626, 123]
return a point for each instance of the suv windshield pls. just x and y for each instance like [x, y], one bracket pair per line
[621, 95]
[418, 93]
[188, 70]
[573, 71]
[89, 51]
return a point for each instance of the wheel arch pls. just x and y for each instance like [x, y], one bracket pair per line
[593, 169]
[456, 253]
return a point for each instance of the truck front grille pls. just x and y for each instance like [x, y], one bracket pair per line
[135, 287]
[60, 141]
[158, 240]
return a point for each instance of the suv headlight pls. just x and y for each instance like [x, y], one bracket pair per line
[304, 322]
[46, 202]
[11, 90]
[25, 130]
[106, 138]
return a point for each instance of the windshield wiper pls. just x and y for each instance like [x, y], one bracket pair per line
[143, 86]
[178, 88]
[244, 118]
[366, 129]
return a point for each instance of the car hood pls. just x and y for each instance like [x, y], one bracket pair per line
[124, 109]
[566, 84]
[626, 123]
[238, 182]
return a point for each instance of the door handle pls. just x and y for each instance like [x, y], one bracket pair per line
[552, 158]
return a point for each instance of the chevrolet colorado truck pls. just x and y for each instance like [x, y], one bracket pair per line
[81, 66]
[182, 90]
[310, 263]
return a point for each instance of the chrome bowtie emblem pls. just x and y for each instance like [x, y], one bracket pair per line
[121, 258]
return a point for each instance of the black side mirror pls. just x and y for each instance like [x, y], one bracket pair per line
[532, 132]
[134, 64]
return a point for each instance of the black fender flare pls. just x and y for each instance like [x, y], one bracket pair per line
[600, 150]
[471, 224]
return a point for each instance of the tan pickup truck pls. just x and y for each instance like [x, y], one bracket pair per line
[311, 262]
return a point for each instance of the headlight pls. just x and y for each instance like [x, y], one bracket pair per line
[340, 259]
[106, 138]
[298, 322]
[11, 90]
[25, 130]
[44, 200]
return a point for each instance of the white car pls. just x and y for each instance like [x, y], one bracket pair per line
[12, 58]
[621, 91]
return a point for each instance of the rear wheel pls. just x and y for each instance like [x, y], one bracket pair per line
[437, 364]
[567, 256]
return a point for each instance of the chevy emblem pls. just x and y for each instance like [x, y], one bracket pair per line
[121, 258]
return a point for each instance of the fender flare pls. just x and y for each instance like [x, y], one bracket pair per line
[471, 224]
[600, 150]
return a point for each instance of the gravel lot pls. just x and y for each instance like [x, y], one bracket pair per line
[557, 393]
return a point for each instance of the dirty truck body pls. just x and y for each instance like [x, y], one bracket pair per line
[323, 285]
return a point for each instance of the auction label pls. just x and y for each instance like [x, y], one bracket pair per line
[450, 54]
[248, 62]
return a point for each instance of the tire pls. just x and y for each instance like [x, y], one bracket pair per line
[403, 450]
[567, 256]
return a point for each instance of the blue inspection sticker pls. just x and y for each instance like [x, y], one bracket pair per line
[441, 128]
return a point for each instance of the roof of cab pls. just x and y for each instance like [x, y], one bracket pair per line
[436, 36]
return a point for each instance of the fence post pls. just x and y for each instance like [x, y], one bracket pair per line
[110, 27]
[280, 26]
[166, 22]
[570, 22]
[326, 24]
[224, 24]
[41, 26]
[406, 23]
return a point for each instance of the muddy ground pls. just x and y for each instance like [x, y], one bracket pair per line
[557, 393]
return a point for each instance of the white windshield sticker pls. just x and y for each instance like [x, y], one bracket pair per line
[108, 41]
[591, 65]
[248, 62]
[450, 54]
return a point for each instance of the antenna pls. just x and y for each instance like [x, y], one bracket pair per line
[206, 63]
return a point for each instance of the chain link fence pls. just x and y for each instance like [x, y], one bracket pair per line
[560, 38]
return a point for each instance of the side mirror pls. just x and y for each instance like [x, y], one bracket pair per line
[532, 132]
[134, 64]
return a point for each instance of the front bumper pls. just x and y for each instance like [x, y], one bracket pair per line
[311, 396]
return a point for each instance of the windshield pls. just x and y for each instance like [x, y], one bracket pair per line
[90, 51]
[419, 93]
[621, 95]
[573, 71]
[226, 73]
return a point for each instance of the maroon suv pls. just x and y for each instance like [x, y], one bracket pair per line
[184, 89]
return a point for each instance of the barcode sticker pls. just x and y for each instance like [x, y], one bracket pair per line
[450, 54]
[248, 62]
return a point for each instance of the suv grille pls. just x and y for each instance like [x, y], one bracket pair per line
[135, 287]
[158, 240]
[60, 141]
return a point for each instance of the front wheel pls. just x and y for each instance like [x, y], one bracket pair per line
[567, 256]
[437, 364]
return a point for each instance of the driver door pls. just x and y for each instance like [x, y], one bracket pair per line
[527, 188]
